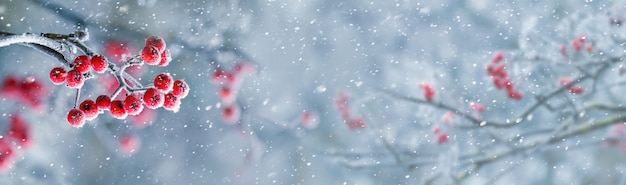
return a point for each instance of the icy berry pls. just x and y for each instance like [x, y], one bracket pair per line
[103, 102]
[171, 103]
[163, 82]
[153, 98]
[76, 118]
[133, 105]
[151, 55]
[166, 58]
[181, 89]
[98, 64]
[82, 63]
[75, 79]
[58, 75]
[90, 109]
[117, 109]
[157, 42]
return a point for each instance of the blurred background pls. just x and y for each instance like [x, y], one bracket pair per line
[303, 55]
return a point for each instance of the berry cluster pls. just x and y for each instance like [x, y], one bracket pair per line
[574, 90]
[27, 91]
[163, 92]
[429, 93]
[441, 137]
[342, 102]
[230, 83]
[497, 72]
[577, 45]
[18, 134]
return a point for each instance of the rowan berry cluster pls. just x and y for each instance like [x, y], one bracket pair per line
[27, 91]
[497, 72]
[230, 83]
[429, 93]
[163, 92]
[342, 102]
[18, 135]
[577, 45]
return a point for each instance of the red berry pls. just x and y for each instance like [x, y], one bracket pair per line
[6, 155]
[76, 118]
[442, 138]
[163, 82]
[514, 95]
[90, 109]
[157, 42]
[151, 55]
[133, 105]
[129, 144]
[58, 75]
[82, 63]
[429, 93]
[166, 58]
[181, 89]
[231, 114]
[171, 103]
[19, 132]
[117, 109]
[498, 57]
[75, 79]
[103, 102]
[153, 98]
[227, 95]
[98, 64]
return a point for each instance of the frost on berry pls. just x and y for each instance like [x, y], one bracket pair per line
[171, 102]
[103, 102]
[19, 131]
[117, 109]
[82, 63]
[7, 155]
[75, 79]
[163, 82]
[76, 118]
[429, 93]
[98, 64]
[151, 55]
[129, 144]
[157, 42]
[231, 114]
[166, 58]
[58, 75]
[133, 105]
[180, 89]
[153, 98]
[90, 109]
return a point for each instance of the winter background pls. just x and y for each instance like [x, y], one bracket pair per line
[305, 53]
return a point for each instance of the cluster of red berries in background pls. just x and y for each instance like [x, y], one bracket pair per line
[27, 91]
[18, 135]
[163, 92]
[574, 90]
[229, 83]
[441, 136]
[497, 72]
[577, 45]
[342, 102]
[429, 93]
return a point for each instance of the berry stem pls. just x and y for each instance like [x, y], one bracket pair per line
[77, 97]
